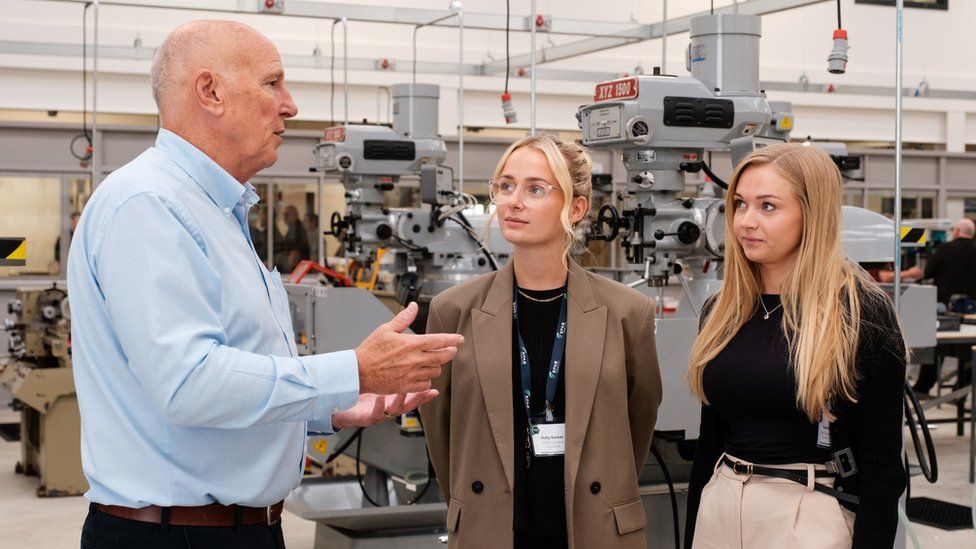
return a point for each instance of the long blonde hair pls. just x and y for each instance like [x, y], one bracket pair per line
[570, 165]
[823, 294]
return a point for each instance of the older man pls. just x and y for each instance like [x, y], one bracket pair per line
[951, 268]
[194, 403]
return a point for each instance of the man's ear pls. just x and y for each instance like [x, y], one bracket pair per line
[208, 91]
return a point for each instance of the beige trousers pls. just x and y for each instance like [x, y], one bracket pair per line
[754, 511]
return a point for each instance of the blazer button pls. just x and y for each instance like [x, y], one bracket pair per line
[477, 487]
[595, 488]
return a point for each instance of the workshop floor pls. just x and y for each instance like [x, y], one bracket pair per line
[27, 521]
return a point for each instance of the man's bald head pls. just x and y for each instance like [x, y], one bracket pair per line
[211, 44]
[965, 228]
[221, 87]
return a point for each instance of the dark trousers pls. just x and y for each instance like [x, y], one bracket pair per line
[104, 531]
[928, 374]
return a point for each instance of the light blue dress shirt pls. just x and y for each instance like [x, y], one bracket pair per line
[190, 387]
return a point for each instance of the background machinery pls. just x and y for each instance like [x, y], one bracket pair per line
[39, 376]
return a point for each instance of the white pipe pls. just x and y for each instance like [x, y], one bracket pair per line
[899, 9]
[345, 66]
[380, 91]
[96, 142]
[532, 75]
[664, 39]
[460, 14]
[318, 213]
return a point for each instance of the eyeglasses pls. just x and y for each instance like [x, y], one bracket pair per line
[503, 190]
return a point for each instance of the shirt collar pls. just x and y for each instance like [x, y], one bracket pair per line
[220, 186]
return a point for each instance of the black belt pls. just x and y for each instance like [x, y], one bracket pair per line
[797, 476]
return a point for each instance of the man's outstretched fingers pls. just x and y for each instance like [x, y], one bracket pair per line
[404, 318]
[428, 342]
[395, 407]
[416, 399]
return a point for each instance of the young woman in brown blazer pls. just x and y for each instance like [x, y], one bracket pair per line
[581, 344]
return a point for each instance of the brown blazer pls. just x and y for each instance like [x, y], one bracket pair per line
[613, 389]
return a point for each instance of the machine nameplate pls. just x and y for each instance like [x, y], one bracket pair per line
[337, 133]
[616, 89]
[646, 156]
[605, 123]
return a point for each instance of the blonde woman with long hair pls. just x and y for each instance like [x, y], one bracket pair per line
[545, 418]
[800, 366]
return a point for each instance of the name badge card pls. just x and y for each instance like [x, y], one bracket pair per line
[548, 439]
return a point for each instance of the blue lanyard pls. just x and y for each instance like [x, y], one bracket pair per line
[555, 363]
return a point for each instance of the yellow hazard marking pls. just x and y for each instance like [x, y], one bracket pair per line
[913, 235]
[20, 252]
[321, 446]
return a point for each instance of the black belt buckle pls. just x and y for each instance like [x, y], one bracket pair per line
[842, 463]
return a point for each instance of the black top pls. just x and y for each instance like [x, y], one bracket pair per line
[871, 427]
[763, 423]
[952, 266]
[540, 507]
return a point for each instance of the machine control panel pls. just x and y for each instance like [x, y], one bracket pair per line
[605, 123]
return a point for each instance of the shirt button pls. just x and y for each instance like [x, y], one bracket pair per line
[226, 211]
[477, 487]
[595, 488]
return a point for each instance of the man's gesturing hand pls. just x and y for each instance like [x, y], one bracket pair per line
[393, 362]
[371, 409]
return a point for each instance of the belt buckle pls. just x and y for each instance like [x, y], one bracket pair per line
[268, 512]
[842, 463]
[736, 465]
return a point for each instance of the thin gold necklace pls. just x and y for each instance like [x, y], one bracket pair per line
[768, 312]
[547, 300]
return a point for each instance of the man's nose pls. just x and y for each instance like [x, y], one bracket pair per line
[288, 107]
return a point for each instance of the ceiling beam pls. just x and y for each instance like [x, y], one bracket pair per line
[637, 34]
[380, 14]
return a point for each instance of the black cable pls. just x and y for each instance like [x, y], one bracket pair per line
[430, 469]
[926, 460]
[674, 498]
[712, 10]
[508, 57]
[839, 26]
[345, 445]
[484, 249]
[85, 155]
[715, 179]
[359, 475]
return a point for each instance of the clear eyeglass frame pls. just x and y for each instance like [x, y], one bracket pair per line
[532, 191]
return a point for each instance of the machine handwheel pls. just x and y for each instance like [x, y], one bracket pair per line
[607, 216]
[336, 224]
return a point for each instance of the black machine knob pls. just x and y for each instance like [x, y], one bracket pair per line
[383, 231]
[687, 233]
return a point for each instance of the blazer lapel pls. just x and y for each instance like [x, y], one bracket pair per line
[492, 331]
[584, 359]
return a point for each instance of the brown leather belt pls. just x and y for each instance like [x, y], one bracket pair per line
[214, 514]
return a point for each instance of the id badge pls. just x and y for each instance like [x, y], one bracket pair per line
[548, 439]
[823, 432]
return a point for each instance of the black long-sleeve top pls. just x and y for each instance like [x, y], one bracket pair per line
[540, 507]
[752, 415]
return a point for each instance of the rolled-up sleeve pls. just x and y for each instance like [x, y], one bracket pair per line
[163, 297]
